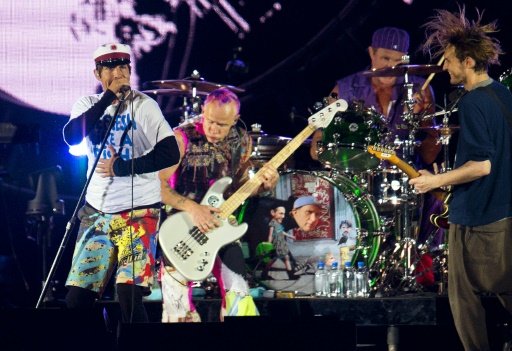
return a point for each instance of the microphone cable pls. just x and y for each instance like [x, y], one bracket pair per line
[129, 108]
[132, 120]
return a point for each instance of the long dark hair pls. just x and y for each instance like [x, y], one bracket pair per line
[469, 38]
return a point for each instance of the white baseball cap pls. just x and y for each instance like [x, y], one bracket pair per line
[112, 54]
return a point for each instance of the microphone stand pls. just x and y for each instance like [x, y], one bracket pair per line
[72, 221]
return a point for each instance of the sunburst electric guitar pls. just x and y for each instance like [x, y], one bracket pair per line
[384, 153]
[193, 253]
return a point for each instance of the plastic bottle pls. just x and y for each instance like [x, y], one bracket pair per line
[348, 280]
[334, 280]
[320, 279]
[362, 284]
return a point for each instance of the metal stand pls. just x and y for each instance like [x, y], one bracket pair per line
[40, 213]
[71, 222]
[400, 262]
[192, 104]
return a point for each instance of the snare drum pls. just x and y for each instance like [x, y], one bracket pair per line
[265, 146]
[345, 140]
[340, 199]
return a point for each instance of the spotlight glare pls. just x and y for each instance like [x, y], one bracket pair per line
[79, 150]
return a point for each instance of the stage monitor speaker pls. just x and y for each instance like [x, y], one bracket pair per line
[242, 333]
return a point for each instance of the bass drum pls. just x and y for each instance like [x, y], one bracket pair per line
[340, 200]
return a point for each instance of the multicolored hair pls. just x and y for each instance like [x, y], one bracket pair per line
[223, 96]
[469, 38]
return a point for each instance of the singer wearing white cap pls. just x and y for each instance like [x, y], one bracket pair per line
[120, 217]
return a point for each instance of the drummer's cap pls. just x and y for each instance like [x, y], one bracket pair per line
[305, 200]
[391, 38]
[112, 54]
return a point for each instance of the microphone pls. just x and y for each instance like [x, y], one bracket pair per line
[125, 91]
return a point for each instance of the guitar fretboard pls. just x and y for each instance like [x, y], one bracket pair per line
[243, 193]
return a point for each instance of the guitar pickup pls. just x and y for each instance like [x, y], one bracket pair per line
[183, 250]
[201, 238]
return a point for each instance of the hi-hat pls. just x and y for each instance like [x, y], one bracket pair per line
[401, 70]
[187, 86]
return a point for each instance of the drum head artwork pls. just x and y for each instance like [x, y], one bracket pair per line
[286, 242]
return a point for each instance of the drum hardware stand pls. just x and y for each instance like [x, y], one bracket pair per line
[398, 271]
[191, 108]
[409, 101]
[192, 105]
[40, 215]
[444, 138]
[407, 242]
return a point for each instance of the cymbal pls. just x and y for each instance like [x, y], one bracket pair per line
[184, 86]
[168, 92]
[439, 113]
[444, 130]
[400, 70]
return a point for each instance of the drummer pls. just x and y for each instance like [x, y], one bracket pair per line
[386, 94]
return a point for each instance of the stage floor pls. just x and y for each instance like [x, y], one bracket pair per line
[419, 321]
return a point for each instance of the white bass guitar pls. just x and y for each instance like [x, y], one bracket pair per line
[193, 253]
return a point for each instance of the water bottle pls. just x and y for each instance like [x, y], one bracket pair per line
[348, 280]
[362, 284]
[334, 280]
[320, 279]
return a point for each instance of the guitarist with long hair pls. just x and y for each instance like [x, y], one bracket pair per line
[480, 216]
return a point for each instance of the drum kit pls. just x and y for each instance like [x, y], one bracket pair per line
[386, 211]
[351, 147]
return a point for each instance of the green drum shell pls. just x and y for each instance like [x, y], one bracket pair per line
[506, 78]
[346, 138]
[366, 217]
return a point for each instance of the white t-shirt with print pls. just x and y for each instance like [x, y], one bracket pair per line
[149, 126]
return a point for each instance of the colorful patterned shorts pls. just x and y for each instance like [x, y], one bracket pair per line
[125, 239]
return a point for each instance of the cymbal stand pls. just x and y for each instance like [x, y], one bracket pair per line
[409, 145]
[444, 138]
[192, 104]
[408, 152]
[398, 275]
[409, 101]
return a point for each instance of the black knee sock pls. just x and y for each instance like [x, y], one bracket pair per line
[80, 298]
[130, 299]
